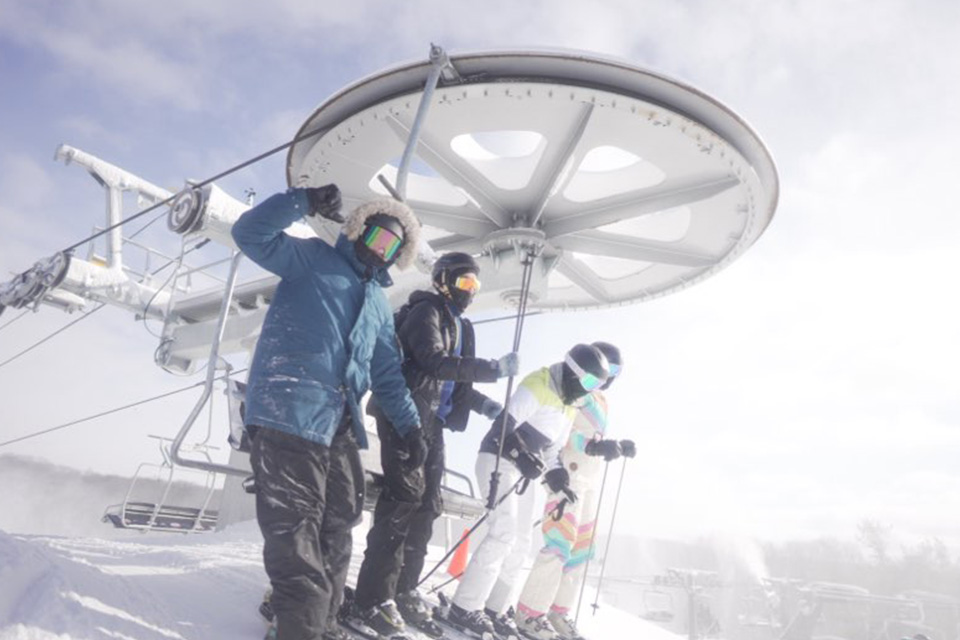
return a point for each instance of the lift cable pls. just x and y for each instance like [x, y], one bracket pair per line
[25, 312]
[500, 318]
[106, 413]
[58, 331]
[202, 183]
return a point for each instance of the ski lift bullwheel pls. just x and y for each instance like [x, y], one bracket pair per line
[626, 184]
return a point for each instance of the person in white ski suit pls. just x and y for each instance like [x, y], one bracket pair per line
[541, 412]
[568, 527]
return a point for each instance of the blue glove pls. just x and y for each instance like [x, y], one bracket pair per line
[508, 365]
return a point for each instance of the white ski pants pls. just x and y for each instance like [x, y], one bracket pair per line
[493, 571]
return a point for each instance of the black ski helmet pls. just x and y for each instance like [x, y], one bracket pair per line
[585, 369]
[612, 354]
[447, 269]
[363, 246]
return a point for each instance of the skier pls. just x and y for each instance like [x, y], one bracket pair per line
[568, 528]
[440, 367]
[327, 338]
[540, 415]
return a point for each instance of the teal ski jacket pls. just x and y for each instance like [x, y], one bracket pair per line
[328, 336]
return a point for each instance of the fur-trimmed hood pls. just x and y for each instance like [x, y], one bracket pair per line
[408, 220]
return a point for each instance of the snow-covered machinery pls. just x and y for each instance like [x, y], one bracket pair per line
[578, 182]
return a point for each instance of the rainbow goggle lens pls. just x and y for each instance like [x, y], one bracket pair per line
[468, 282]
[614, 370]
[588, 381]
[382, 241]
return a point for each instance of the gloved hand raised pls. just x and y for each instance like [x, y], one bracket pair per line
[558, 479]
[508, 365]
[415, 447]
[628, 448]
[325, 202]
[609, 449]
[490, 408]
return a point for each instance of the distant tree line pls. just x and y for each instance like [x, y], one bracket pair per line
[870, 561]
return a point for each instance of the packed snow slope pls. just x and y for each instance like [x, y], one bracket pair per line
[154, 586]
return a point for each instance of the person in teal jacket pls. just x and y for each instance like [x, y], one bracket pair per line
[327, 339]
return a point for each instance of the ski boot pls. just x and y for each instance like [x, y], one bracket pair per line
[536, 627]
[381, 622]
[473, 623]
[564, 626]
[503, 623]
[417, 613]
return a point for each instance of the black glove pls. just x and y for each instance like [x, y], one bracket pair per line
[628, 448]
[415, 447]
[325, 202]
[515, 450]
[490, 408]
[558, 479]
[609, 449]
[529, 464]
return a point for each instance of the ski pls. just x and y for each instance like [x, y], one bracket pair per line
[429, 629]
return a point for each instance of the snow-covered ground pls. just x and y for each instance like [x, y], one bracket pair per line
[160, 585]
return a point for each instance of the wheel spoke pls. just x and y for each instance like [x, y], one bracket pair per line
[672, 193]
[457, 172]
[549, 174]
[584, 277]
[613, 245]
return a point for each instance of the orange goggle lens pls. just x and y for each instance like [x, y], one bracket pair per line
[468, 282]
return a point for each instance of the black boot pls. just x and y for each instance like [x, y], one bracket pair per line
[474, 622]
[503, 623]
[417, 613]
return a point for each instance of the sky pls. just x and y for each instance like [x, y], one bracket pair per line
[810, 385]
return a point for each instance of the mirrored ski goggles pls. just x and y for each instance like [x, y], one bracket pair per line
[588, 381]
[468, 282]
[382, 241]
[614, 370]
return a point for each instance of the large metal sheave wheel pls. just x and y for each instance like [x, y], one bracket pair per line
[628, 185]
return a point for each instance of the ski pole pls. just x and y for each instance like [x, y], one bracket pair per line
[596, 518]
[446, 582]
[467, 535]
[606, 552]
[525, 279]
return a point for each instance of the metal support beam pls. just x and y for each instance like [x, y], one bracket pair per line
[439, 60]
[208, 387]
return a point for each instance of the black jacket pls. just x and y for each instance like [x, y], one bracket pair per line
[426, 330]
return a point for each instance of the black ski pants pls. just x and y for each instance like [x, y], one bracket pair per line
[309, 498]
[408, 503]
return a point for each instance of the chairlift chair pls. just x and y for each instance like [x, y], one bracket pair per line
[150, 510]
[658, 605]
